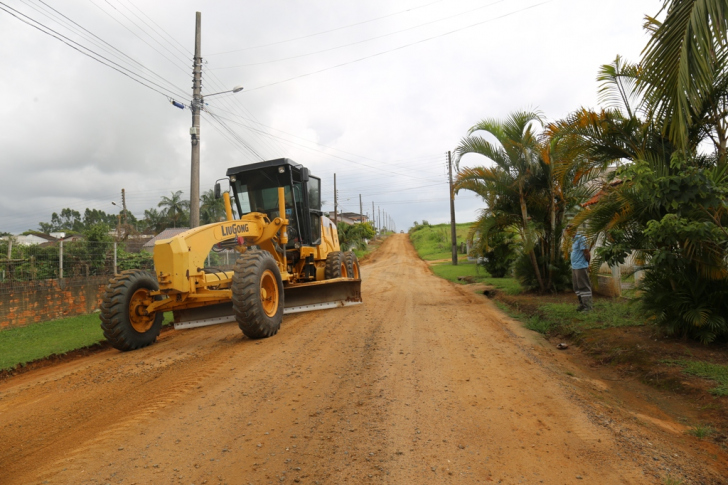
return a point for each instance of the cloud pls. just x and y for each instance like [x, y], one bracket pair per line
[76, 132]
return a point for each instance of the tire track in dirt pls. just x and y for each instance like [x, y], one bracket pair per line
[423, 383]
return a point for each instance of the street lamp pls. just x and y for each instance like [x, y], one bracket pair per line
[236, 89]
[197, 98]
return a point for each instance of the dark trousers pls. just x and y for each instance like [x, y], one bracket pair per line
[581, 283]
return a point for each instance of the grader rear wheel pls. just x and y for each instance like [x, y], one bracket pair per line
[352, 265]
[336, 265]
[257, 294]
[124, 319]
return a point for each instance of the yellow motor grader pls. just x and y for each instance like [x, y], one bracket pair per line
[289, 261]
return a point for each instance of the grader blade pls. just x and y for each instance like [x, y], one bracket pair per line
[321, 295]
[305, 297]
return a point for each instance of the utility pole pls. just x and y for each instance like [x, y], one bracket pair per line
[336, 204]
[361, 211]
[452, 214]
[123, 204]
[380, 218]
[195, 130]
[374, 215]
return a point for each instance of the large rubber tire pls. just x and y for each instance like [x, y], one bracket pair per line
[335, 265]
[257, 294]
[122, 319]
[352, 265]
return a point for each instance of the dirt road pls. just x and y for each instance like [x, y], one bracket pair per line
[423, 383]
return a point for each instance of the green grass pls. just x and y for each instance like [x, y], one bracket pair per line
[606, 314]
[433, 242]
[701, 431]
[563, 319]
[706, 370]
[26, 344]
[478, 274]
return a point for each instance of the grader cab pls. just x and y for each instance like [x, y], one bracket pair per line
[289, 261]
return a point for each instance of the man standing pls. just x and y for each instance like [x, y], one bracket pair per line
[580, 258]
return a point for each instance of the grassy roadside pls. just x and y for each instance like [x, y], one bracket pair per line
[433, 242]
[372, 246]
[468, 272]
[18, 346]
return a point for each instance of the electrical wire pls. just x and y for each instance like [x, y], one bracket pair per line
[232, 133]
[400, 47]
[137, 35]
[326, 31]
[97, 41]
[327, 154]
[364, 40]
[62, 38]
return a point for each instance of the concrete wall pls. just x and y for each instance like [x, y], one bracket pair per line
[23, 303]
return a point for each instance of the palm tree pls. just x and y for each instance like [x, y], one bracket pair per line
[683, 61]
[154, 221]
[516, 165]
[212, 209]
[669, 208]
[175, 208]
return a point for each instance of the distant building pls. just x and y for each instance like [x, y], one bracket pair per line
[351, 218]
[30, 239]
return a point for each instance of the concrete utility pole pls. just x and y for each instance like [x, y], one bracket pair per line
[452, 214]
[123, 204]
[380, 217]
[374, 215]
[195, 130]
[336, 203]
[361, 211]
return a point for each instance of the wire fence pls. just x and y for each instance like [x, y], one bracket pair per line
[74, 263]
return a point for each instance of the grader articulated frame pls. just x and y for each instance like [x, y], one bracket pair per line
[290, 261]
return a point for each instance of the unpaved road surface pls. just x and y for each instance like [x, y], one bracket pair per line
[423, 383]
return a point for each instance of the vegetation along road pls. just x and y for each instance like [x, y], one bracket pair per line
[426, 382]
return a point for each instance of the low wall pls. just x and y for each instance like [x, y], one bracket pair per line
[23, 303]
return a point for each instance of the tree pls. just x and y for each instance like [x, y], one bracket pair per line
[212, 209]
[68, 220]
[516, 165]
[354, 235]
[683, 61]
[175, 209]
[154, 221]
[668, 204]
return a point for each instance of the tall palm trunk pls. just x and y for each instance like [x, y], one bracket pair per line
[527, 232]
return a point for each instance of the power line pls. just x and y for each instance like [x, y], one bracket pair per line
[400, 47]
[74, 27]
[364, 40]
[232, 133]
[326, 31]
[330, 155]
[137, 35]
[58, 36]
[303, 139]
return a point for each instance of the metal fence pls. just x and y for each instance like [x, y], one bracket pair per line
[72, 262]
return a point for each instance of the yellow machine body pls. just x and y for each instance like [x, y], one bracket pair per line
[184, 284]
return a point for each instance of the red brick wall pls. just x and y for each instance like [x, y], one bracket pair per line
[23, 303]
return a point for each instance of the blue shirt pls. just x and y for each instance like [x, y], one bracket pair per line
[578, 261]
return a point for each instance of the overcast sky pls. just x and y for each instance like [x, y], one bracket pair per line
[376, 92]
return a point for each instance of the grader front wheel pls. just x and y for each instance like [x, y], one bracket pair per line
[352, 265]
[124, 320]
[257, 294]
[336, 265]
